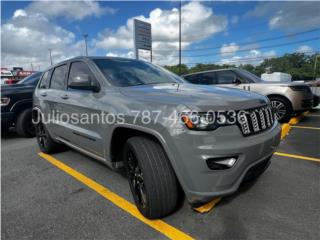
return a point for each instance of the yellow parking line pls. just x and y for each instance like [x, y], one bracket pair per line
[159, 225]
[297, 156]
[306, 127]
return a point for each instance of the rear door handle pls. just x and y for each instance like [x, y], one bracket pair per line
[43, 94]
[65, 96]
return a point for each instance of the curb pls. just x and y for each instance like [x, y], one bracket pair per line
[285, 128]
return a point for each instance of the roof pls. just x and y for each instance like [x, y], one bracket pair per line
[88, 58]
[207, 71]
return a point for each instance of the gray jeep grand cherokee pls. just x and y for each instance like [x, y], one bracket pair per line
[165, 132]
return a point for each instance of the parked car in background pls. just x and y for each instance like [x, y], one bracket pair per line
[276, 77]
[285, 98]
[7, 77]
[206, 156]
[16, 105]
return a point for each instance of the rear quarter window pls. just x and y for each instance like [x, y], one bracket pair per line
[58, 77]
[45, 80]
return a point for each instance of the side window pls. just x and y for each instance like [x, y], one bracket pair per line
[192, 79]
[58, 77]
[77, 69]
[45, 80]
[208, 78]
[225, 77]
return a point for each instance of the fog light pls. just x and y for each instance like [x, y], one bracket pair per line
[221, 163]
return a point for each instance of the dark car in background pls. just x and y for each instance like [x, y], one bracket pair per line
[16, 105]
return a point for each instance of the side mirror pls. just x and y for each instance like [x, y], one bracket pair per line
[236, 81]
[84, 82]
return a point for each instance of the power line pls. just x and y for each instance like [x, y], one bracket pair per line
[249, 49]
[246, 42]
[258, 41]
[180, 38]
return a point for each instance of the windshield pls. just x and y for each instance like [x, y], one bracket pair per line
[31, 79]
[129, 72]
[248, 75]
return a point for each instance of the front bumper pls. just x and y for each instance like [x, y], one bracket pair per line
[316, 100]
[191, 149]
[301, 101]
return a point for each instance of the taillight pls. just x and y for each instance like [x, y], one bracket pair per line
[10, 81]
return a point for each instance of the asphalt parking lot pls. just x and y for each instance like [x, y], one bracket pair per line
[70, 196]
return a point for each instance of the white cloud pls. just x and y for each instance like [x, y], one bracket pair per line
[198, 23]
[19, 13]
[254, 57]
[73, 10]
[229, 49]
[304, 49]
[289, 15]
[129, 54]
[28, 35]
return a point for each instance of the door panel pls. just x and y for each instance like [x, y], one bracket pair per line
[84, 127]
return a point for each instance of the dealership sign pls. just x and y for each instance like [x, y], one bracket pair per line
[142, 37]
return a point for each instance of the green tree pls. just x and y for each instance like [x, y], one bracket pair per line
[299, 65]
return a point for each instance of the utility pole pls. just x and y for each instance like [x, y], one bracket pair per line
[85, 41]
[50, 55]
[180, 39]
[31, 66]
[315, 67]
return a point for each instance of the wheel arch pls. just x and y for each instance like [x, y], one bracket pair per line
[20, 106]
[122, 133]
[283, 97]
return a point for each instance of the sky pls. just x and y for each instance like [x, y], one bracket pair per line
[212, 32]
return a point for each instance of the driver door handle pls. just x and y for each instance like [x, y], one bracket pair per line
[43, 94]
[65, 96]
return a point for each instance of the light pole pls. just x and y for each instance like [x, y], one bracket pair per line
[50, 56]
[85, 40]
[180, 38]
[315, 67]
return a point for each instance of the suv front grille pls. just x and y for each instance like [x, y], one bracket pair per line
[254, 121]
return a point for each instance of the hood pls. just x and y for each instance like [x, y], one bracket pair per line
[16, 88]
[196, 97]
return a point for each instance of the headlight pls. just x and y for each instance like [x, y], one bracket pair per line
[5, 101]
[208, 120]
[300, 88]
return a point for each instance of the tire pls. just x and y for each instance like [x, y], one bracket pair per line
[24, 126]
[151, 178]
[46, 143]
[4, 130]
[281, 107]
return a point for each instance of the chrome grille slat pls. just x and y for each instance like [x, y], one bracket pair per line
[244, 124]
[267, 117]
[262, 119]
[256, 120]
